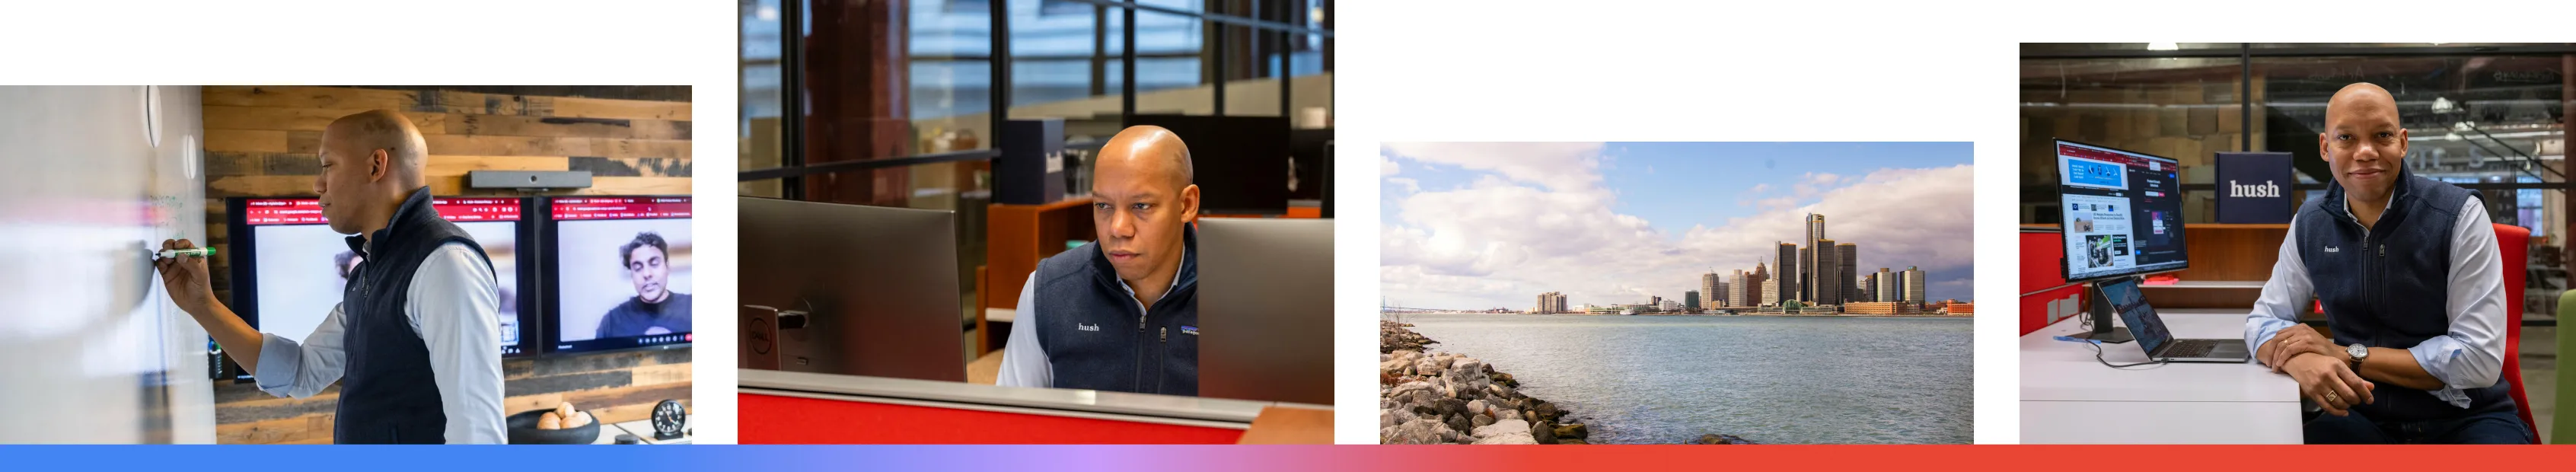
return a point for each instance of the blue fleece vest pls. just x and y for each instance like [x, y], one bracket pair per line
[2391, 287]
[387, 392]
[1096, 338]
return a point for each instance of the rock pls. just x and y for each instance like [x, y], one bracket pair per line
[1391, 368]
[1543, 432]
[1480, 421]
[1720, 439]
[1505, 432]
[1451, 406]
[1576, 431]
[1477, 406]
[1458, 422]
[1546, 411]
[1420, 431]
[1407, 389]
[1466, 368]
[1508, 415]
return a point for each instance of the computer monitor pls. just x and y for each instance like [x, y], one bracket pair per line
[290, 269]
[618, 273]
[878, 288]
[2123, 212]
[1266, 309]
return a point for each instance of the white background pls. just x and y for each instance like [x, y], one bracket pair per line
[1405, 71]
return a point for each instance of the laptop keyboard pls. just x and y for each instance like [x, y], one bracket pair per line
[2191, 348]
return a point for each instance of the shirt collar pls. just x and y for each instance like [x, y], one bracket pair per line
[1167, 291]
[417, 202]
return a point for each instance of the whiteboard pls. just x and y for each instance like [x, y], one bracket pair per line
[91, 179]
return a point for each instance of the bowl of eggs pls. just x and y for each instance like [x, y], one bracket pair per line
[559, 425]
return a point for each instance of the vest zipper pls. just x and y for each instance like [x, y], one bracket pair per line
[1140, 351]
[1162, 348]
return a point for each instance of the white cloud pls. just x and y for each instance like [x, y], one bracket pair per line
[1505, 239]
[1557, 166]
[1386, 166]
[1410, 185]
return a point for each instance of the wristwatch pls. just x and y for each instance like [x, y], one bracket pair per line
[2357, 352]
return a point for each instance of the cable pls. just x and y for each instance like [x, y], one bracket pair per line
[2097, 356]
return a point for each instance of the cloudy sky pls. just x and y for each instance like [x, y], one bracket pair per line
[1492, 225]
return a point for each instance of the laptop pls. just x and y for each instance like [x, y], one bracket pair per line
[2152, 336]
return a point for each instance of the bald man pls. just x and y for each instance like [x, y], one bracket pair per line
[414, 342]
[2408, 271]
[1121, 313]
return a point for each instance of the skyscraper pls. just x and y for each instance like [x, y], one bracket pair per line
[1808, 270]
[1868, 288]
[1787, 272]
[1848, 255]
[1770, 292]
[1886, 285]
[1551, 302]
[1738, 285]
[1914, 285]
[1709, 284]
[1828, 288]
[1690, 299]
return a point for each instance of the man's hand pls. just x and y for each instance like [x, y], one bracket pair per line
[2329, 382]
[185, 278]
[2290, 342]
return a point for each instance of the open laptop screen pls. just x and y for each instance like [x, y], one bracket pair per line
[2141, 318]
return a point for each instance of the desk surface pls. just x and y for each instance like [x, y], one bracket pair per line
[2069, 397]
[2067, 371]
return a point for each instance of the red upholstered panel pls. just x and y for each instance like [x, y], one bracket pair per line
[769, 419]
[2513, 244]
[2042, 254]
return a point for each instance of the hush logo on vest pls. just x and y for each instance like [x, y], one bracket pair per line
[2267, 190]
[1086, 327]
[2333, 249]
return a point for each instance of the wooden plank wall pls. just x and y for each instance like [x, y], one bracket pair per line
[263, 142]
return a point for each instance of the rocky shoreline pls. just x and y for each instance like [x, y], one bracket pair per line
[1447, 398]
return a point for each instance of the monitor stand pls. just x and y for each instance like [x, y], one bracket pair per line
[2102, 316]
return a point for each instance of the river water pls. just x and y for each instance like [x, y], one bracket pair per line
[1774, 380]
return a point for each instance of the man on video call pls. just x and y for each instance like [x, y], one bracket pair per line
[2409, 275]
[415, 341]
[655, 309]
[1121, 313]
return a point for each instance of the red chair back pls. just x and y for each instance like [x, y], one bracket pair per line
[2042, 253]
[2513, 245]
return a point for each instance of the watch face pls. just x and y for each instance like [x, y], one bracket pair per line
[2357, 351]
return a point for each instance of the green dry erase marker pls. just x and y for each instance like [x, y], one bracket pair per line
[194, 251]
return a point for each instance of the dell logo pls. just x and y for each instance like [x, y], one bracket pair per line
[2266, 190]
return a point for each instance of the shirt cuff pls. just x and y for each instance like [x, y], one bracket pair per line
[2435, 356]
[2261, 329]
[280, 360]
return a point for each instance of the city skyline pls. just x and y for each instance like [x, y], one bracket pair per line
[1475, 225]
